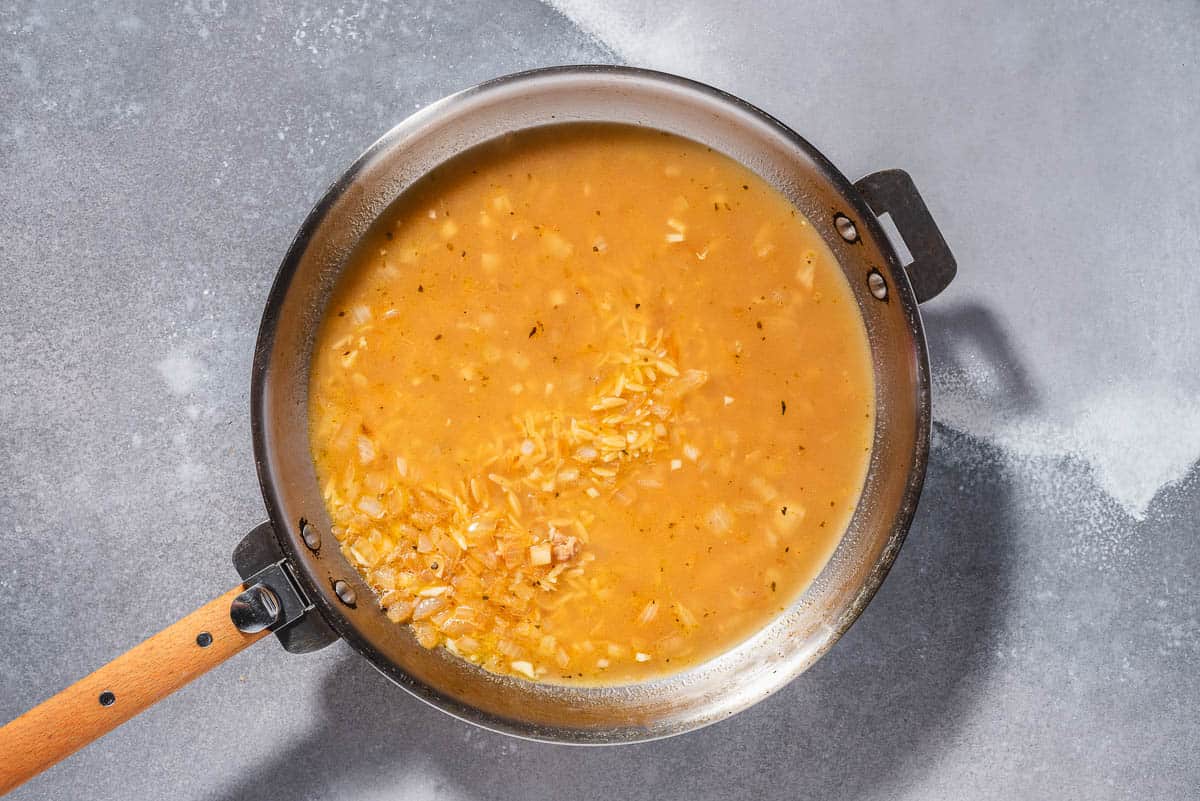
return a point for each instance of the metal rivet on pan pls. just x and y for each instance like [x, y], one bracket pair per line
[877, 285]
[107, 698]
[846, 228]
[204, 639]
[344, 592]
[310, 535]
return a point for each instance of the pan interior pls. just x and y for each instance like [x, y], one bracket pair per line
[590, 404]
[775, 654]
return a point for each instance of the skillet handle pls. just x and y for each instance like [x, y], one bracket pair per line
[893, 192]
[98, 703]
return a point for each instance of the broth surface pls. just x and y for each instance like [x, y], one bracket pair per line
[591, 404]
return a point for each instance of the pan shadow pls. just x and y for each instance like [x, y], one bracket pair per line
[873, 715]
[969, 349]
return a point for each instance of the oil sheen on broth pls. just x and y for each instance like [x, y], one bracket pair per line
[591, 404]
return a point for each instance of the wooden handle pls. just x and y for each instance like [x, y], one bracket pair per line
[97, 704]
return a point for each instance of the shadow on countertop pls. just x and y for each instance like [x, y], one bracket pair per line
[969, 348]
[872, 715]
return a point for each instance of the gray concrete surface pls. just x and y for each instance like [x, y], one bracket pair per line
[1039, 636]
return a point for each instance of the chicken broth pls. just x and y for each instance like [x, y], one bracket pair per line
[591, 404]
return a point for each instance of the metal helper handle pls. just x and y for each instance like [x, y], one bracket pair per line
[893, 192]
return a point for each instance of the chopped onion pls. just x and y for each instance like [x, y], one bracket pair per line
[366, 449]
[719, 519]
[539, 554]
[524, 668]
[427, 607]
[370, 506]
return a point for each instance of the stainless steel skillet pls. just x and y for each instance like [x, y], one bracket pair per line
[297, 584]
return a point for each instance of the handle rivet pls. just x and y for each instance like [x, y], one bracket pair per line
[107, 698]
[204, 639]
[877, 285]
[845, 227]
[310, 535]
[345, 593]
